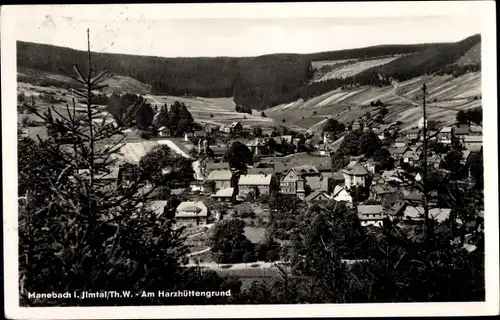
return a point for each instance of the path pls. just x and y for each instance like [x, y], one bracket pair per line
[395, 87]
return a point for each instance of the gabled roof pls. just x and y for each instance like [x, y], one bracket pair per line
[234, 124]
[476, 129]
[217, 166]
[224, 193]
[188, 209]
[365, 210]
[220, 175]
[355, 169]
[473, 139]
[255, 180]
[416, 213]
[446, 130]
[413, 131]
[158, 206]
[317, 193]
[400, 150]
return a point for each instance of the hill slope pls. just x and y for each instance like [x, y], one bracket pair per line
[257, 82]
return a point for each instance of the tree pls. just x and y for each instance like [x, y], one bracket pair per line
[180, 120]
[144, 117]
[384, 111]
[263, 115]
[80, 232]
[350, 144]
[124, 108]
[229, 243]
[163, 167]
[384, 159]
[238, 156]
[334, 126]
[257, 131]
[475, 115]
[369, 143]
[210, 186]
[162, 119]
[462, 117]
[476, 168]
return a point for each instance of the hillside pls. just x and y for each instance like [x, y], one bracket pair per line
[446, 95]
[471, 57]
[256, 82]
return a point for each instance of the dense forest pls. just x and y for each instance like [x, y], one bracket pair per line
[256, 82]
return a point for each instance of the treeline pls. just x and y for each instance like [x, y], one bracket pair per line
[255, 82]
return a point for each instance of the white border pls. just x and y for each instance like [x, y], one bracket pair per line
[485, 9]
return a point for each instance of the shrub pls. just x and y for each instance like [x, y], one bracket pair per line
[211, 115]
[226, 266]
[255, 265]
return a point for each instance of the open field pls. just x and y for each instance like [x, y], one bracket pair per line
[446, 95]
[347, 68]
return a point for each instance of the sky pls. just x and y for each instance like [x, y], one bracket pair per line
[163, 31]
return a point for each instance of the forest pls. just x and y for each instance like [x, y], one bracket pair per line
[255, 82]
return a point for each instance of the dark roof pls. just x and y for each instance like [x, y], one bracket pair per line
[355, 169]
[462, 130]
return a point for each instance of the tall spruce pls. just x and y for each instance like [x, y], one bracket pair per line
[78, 230]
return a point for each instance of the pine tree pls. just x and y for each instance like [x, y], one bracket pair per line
[79, 231]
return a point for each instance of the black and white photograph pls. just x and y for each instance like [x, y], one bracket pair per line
[250, 160]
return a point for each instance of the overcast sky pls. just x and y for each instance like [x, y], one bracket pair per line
[159, 31]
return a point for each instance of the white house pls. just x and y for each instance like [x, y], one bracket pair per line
[355, 175]
[191, 213]
[371, 215]
[445, 134]
[340, 194]
[473, 143]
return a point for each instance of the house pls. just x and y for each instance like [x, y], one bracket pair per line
[379, 190]
[397, 152]
[164, 132]
[415, 215]
[473, 143]
[476, 130]
[158, 206]
[400, 142]
[287, 138]
[461, 131]
[310, 175]
[444, 135]
[235, 127]
[395, 175]
[225, 128]
[200, 133]
[259, 183]
[212, 166]
[371, 215]
[411, 157]
[197, 185]
[225, 195]
[355, 175]
[209, 128]
[434, 161]
[340, 194]
[356, 125]
[431, 135]
[413, 134]
[191, 213]
[218, 152]
[222, 178]
[318, 195]
[256, 145]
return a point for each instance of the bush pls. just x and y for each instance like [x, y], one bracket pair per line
[145, 135]
[255, 265]
[211, 115]
[226, 266]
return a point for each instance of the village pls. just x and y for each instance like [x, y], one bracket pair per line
[238, 170]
